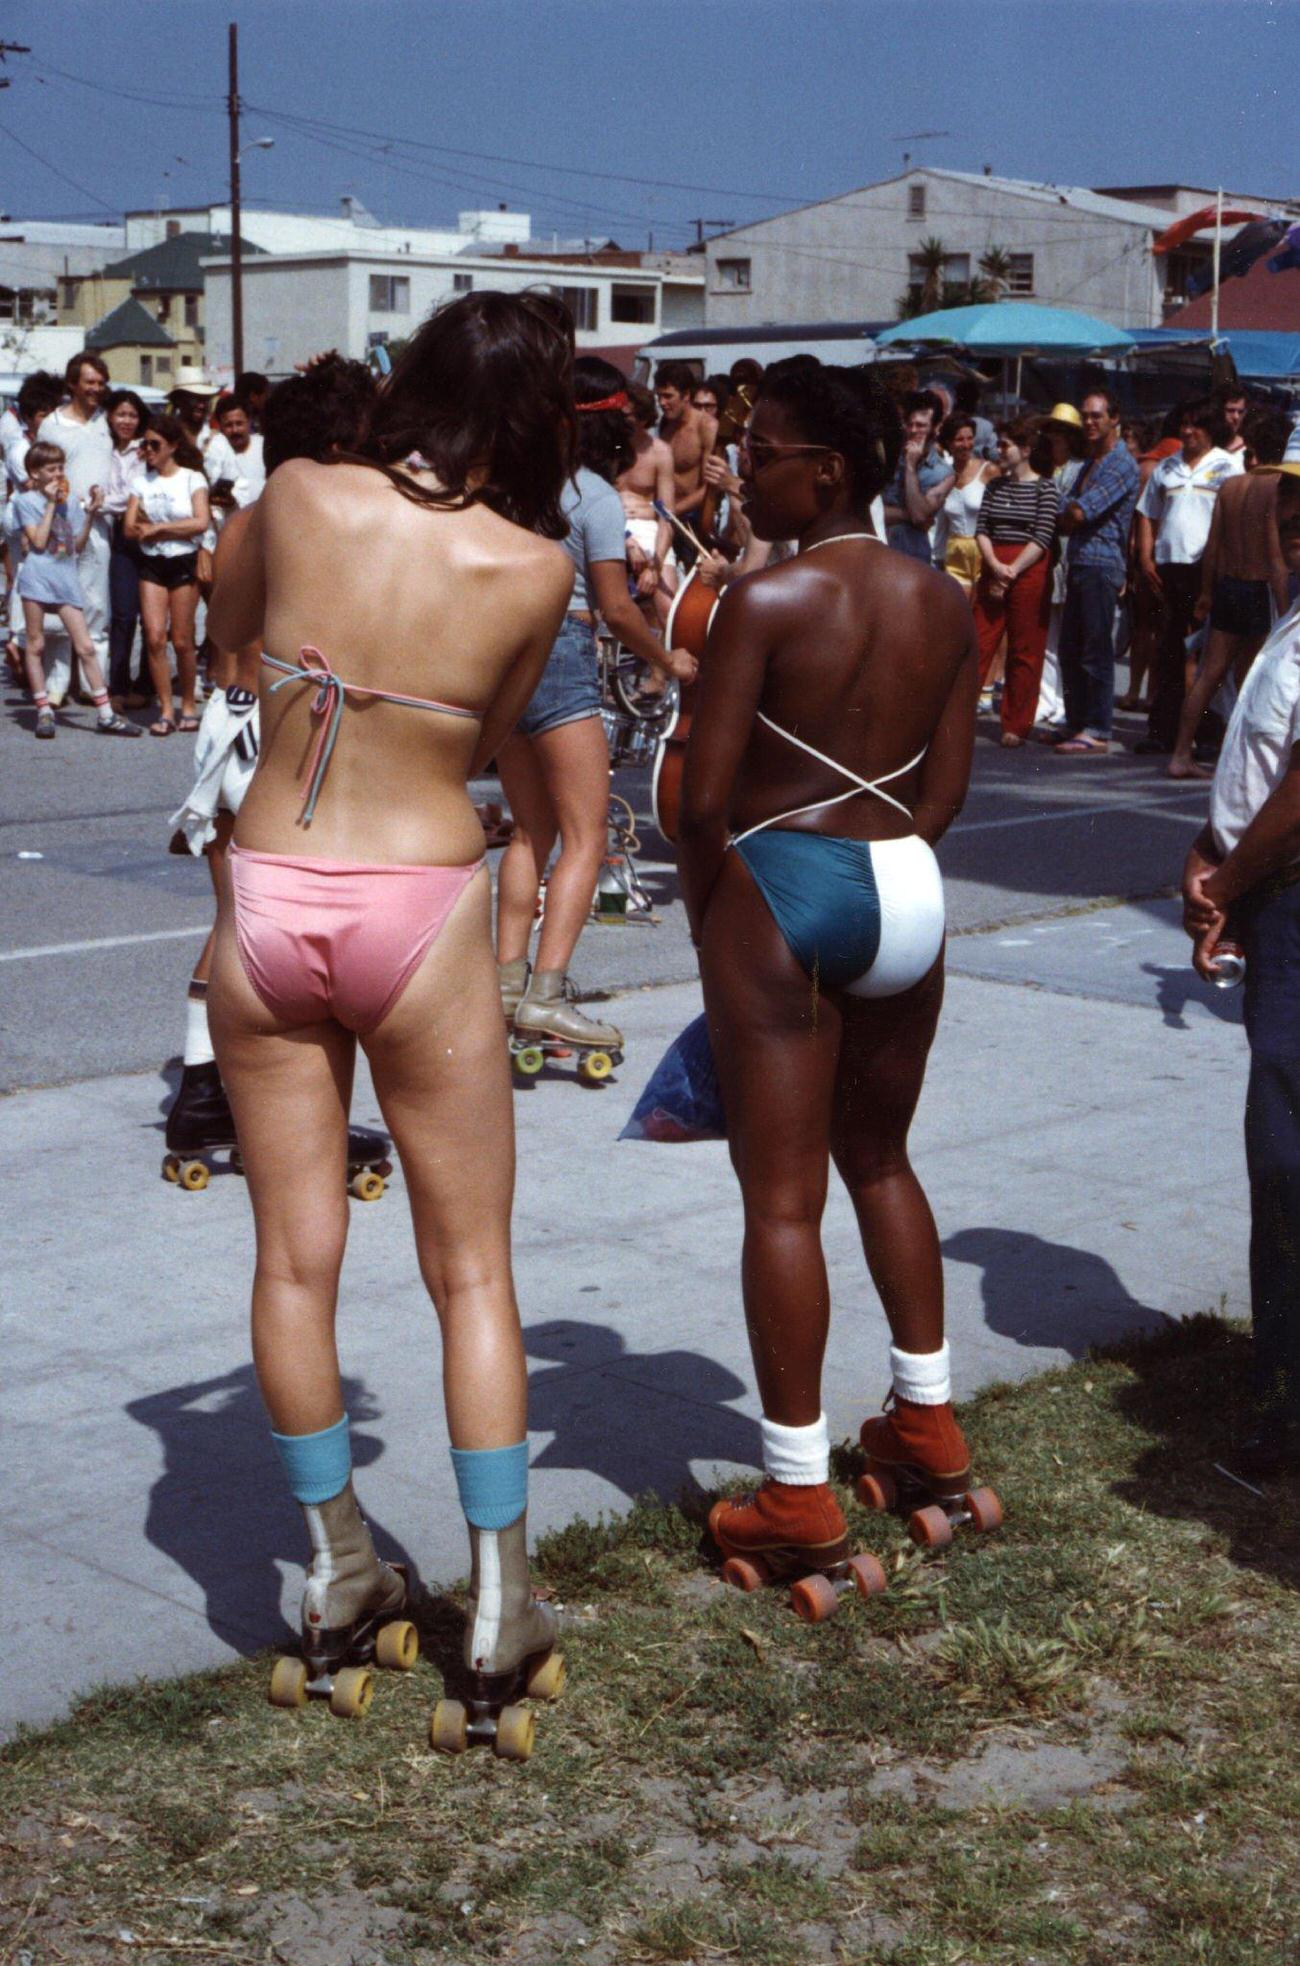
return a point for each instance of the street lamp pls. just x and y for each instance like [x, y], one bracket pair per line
[236, 248]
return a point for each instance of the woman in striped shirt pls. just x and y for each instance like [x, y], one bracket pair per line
[1017, 527]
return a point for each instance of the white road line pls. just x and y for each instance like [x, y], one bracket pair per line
[960, 831]
[101, 942]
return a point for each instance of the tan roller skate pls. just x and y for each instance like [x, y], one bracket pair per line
[548, 1023]
[917, 1454]
[787, 1531]
[351, 1616]
[513, 978]
[509, 1652]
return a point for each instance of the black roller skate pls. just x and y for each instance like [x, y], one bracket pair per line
[200, 1126]
[351, 1616]
[509, 1653]
[548, 1024]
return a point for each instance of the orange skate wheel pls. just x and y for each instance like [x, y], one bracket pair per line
[868, 1574]
[814, 1598]
[368, 1185]
[397, 1646]
[354, 1689]
[194, 1176]
[448, 1727]
[743, 1575]
[877, 1491]
[930, 1528]
[513, 1740]
[984, 1509]
[546, 1681]
[288, 1687]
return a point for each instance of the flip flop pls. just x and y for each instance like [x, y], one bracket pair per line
[190, 723]
[1080, 747]
[165, 727]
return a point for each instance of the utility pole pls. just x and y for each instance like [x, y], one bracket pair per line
[10, 48]
[723, 225]
[236, 244]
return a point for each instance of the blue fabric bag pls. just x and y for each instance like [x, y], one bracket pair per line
[683, 1100]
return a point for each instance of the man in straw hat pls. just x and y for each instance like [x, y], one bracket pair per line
[192, 397]
[1241, 886]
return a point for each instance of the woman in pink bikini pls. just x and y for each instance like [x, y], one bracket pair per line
[406, 598]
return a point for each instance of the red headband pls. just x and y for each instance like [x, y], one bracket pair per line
[617, 402]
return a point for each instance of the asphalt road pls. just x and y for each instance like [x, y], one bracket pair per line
[99, 924]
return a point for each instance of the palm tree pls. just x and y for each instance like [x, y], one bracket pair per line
[933, 258]
[995, 270]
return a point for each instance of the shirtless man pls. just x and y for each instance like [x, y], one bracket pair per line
[688, 433]
[647, 478]
[1243, 580]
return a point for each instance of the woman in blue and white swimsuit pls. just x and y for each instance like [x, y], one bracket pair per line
[831, 749]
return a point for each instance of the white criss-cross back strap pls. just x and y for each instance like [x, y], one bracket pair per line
[857, 785]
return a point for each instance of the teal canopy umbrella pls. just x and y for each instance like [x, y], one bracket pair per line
[1009, 327]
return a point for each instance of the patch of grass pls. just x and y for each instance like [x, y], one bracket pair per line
[1135, 1607]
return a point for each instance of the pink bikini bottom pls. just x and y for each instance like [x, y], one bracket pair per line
[325, 938]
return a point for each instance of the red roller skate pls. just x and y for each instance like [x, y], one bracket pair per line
[793, 1532]
[918, 1454]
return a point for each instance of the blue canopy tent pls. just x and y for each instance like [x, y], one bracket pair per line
[1258, 354]
[1011, 329]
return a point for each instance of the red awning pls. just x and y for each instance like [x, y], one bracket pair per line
[1187, 228]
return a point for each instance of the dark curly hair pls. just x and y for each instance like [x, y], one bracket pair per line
[326, 409]
[170, 427]
[114, 401]
[848, 410]
[488, 377]
[604, 440]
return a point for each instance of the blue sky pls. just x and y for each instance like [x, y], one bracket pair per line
[715, 109]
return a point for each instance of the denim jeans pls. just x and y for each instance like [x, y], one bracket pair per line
[569, 689]
[1270, 937]
[1086, 650]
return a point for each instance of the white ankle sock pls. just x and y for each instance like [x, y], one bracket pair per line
[923, 1378]
[798, 1455]
[198, 1044]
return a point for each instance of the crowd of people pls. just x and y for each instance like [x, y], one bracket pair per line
[506, 499]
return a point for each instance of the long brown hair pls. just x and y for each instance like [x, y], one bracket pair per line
[488, 378]
[173, 431]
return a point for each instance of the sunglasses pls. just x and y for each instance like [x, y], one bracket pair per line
[761, 453]
[150, 444]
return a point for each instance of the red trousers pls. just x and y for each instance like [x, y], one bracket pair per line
[1022, 616]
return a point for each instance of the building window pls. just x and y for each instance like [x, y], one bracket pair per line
[390, 293]
[733, 275]
[916, 201]
[191, 310]
[632, 304]
[173, 228]
[164, 365]
[956, 271]
[1020, 273]
[67, 294]
[583, 304]
[146, 369]
[462, 283]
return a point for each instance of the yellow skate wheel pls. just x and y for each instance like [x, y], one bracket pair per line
[546, 1681]
[743, 1575]
[288, 1687]
[194, 1176]
[368, 1185]
[877, 1491]
[868, 1574]
[354, 1689]
[984, 1509]
[529, 1061]
[513, 1740]
[448, 1727]
[814, 1599]
[930, 1528]
[171, 1168]
[597, 1065]
[397, 1646]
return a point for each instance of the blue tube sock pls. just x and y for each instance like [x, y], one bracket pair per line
[316, 1466]
[493, 1484]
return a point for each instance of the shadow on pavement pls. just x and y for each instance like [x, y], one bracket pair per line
[220, 1509]
[1176, 988]
[637, 1419]
[1046, 1293]
[1191, 1395]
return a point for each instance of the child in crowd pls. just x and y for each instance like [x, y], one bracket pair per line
[55, 528]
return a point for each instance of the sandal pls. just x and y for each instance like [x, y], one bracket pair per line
[1081, 747]
[165, 727]
[116, 726]
[187, 723]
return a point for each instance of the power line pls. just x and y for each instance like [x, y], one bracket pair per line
[85, 190]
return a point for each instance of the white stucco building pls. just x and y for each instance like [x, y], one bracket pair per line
[853, 257]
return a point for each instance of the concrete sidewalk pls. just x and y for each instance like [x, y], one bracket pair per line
[1068, 1144]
